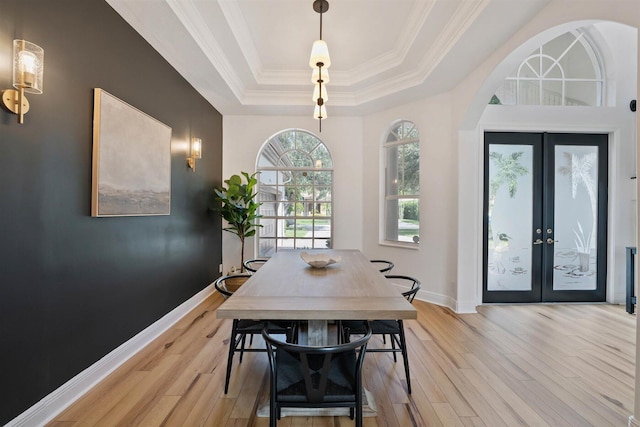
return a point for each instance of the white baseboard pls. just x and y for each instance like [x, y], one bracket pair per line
[466, 307]
[61, 398]
[57, 401]
[439, 299]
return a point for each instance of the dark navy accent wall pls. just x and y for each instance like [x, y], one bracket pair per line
[73, 287]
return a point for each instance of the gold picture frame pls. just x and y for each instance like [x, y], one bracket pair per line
[131, 160]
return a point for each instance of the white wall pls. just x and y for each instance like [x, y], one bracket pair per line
[244, 136]
[434, 262]
[474, 117]
[448, 261]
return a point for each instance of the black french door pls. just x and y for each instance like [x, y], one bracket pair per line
[545, 217]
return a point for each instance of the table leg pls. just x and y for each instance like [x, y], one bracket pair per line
[318, 333]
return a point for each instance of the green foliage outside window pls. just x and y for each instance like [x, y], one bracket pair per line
[410, 210]
[402, 183]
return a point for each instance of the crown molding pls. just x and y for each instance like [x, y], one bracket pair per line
[466, 13]
[364, 71]
[398, 55]
[239, 28]
[187, 12]
[289, 87]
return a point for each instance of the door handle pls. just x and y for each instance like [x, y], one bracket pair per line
[538, 242]
[550, 241]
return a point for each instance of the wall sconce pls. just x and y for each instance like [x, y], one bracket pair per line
[195, 152]
[28, 70]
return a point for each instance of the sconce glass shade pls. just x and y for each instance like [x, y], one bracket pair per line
[196, 148]
[315, 75]
[316, 93]
[320, 54]
[320, 112]
[28, 66]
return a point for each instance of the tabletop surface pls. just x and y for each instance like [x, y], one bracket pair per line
[287, 288]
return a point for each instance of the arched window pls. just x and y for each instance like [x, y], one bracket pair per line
[566, 71]
[401, 159]
[295, 188]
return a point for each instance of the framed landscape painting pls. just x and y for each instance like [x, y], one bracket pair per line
[131, 160]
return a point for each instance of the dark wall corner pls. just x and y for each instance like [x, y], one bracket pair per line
[74, 287]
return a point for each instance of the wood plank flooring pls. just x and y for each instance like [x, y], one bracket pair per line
[520, 365]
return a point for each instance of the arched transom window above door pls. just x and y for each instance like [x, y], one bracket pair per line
[295, 189]
[566, 71]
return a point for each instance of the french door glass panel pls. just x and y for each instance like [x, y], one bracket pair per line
[575, 217]
[510, 217]
[545, 223]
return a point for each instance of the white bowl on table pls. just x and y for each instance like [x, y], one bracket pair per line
[319, 260]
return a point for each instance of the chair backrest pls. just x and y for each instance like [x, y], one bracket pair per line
[253, 265]
[227, 285]
[383, 265]
[315, 363]
[413, 283]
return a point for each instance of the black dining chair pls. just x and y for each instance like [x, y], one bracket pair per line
[316, 377]
[383, 265]
[241, 328]
[252, 265]
[393, 328]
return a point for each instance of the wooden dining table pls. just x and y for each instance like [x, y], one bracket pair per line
[287, 288]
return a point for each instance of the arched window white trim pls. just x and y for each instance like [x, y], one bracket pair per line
[401, 185]
[566, 71]
[295, 187]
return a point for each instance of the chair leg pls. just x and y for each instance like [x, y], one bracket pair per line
[405, 355]
[273, 421]
[392, 338]
[232, 345]
[346, 335]
[292, 333]
[244, 337]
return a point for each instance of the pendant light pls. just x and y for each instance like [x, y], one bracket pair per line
[320, 62]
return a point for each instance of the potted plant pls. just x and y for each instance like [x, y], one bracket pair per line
[238, 206]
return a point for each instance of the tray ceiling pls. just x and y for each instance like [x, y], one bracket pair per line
[251, 56]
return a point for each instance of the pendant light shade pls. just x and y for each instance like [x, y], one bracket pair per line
[315, 76]
[320, 112]
[320, 55]
[316, 93]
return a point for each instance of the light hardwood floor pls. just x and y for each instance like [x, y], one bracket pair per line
[536, 365]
